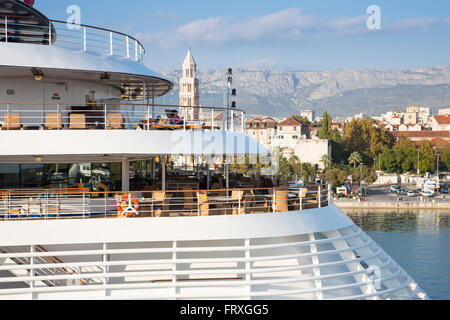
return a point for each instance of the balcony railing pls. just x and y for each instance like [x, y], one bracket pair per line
[54, 204]
[117, 116]
[72, 36]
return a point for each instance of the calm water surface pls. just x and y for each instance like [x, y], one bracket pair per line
[419, 242]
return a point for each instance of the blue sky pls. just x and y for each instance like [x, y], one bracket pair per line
[281, 34]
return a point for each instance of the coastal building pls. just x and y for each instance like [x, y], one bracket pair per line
[443, 112]
[440, 122]
[309, 114]
[293, 139]
[262, 130]
[427, 135]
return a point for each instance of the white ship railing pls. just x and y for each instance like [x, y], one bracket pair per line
[116, 116]
[72, 36]
[336, 266]
[46, 205]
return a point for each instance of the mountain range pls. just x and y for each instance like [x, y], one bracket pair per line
[341, 93]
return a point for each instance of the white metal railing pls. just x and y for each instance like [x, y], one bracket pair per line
[112, 116]
[156, 271]
[71, 36]
[42, 205]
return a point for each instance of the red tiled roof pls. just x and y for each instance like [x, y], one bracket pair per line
[440, 142]
[442, 119]
[290, 122]
[423, 134]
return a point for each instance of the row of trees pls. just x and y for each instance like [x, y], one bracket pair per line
[364, 143]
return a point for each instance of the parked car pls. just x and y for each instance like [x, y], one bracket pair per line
[427, 193]
[403, 192]
[394, 189]
[411, 194]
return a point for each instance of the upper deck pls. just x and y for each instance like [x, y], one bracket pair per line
[33, 45]
[22, 24]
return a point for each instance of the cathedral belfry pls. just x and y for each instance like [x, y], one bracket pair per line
[189, 89]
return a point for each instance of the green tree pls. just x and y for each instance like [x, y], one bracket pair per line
[355, 158]
[446, 158]
[336, 176]
[325, 160]
[326, 126]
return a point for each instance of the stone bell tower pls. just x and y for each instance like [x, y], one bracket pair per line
[189, 89]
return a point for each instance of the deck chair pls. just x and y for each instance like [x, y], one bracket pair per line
[301, 199]
[281, 201]
[12, 122]
[258, 203]
[9, 213]
[189, 204]
[237, 202]
[163, 205]
[53, 209]
[53, 121]
[77, 121]
[114, 121]
[203, 204]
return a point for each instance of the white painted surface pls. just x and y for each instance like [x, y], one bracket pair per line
[125, 142]
[36, 56]
[173, 229]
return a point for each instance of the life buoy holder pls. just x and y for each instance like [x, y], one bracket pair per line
[128, 207]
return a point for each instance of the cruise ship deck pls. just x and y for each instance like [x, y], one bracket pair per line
[106, 194]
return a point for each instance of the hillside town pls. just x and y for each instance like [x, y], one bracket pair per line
[403, 146]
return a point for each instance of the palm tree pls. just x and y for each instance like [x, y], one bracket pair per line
[325, 160]
[355, 158]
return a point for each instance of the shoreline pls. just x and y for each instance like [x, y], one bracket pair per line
[397, 205]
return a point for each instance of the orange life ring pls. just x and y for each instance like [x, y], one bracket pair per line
[122, 208]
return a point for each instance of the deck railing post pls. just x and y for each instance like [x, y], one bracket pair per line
[58, 122]
[330, 197]
[148, 116]
[212, 120]
[49, 33]
[135, 50]
[32, 271]
[84, 206]
[111, 49]
[274, 201]
[128, 48]
[301, 199]
[6, 29]
[84, 39]
[105, 116]
[320, 196]
[7, 112]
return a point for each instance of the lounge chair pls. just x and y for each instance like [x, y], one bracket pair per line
[53, 121]
[77, 121]
[114, 121]
[12, 122]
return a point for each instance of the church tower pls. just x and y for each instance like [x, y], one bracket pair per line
[189, 89]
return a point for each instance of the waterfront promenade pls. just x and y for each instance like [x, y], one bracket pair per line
[378, 198]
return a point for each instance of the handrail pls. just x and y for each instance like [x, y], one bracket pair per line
[113, 43]
[117, 104]
[44, 205]
[113, 116]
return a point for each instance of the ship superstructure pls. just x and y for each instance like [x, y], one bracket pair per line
[92, 208]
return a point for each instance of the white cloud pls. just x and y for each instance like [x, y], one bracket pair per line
[286, 26]
[416, 23]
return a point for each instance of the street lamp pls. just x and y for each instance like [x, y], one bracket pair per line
[437, 166]
[418, 162]
[229, 83]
